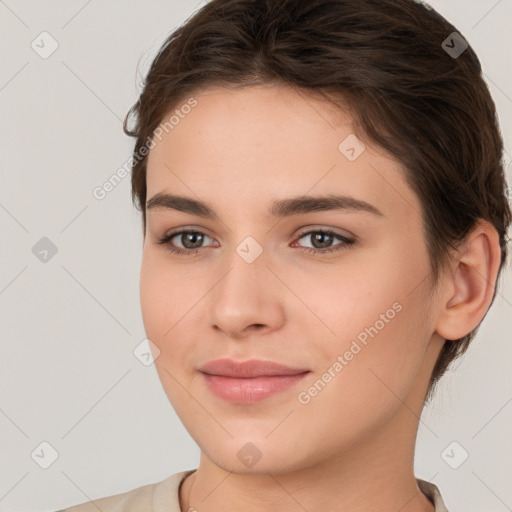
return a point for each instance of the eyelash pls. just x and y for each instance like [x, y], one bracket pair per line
[347, 242]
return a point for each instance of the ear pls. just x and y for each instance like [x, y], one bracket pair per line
[469, 284]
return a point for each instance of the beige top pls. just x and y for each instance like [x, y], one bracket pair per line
[163, 497]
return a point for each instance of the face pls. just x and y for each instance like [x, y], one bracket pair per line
[349, 308]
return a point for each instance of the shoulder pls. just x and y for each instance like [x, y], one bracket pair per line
[432, 492]
[156, 497]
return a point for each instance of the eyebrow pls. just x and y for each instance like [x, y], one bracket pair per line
[280, 208]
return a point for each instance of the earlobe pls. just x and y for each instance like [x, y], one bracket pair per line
[471, 282]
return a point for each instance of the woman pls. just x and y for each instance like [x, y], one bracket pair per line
[324, 216]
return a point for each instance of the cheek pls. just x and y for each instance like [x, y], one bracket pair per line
[153, 299]
[377, 321]
[380, 360]
[164, 308]
[166, 294]
[347, 297]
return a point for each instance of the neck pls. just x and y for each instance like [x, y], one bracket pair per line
[374, 475]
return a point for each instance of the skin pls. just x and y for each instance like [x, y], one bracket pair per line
[352, 446]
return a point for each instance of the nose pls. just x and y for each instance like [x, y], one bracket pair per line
[248, 298]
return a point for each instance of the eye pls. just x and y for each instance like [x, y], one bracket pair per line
[324, 237]
[192, 241]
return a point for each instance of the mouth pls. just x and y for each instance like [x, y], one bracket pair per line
[249, 381]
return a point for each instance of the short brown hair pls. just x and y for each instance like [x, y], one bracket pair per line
[385, 61]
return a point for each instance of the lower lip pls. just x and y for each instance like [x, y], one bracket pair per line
[251, 389]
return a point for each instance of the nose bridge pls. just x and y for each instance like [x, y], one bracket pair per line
[247, 292]
[247, 274]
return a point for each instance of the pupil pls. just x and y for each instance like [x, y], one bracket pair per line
[328, 237]
[194, 235]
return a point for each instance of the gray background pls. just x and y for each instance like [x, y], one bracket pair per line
[68, 375]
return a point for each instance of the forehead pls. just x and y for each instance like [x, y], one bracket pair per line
[243, 145]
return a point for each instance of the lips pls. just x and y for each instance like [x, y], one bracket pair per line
[247, 382]
[248, 369]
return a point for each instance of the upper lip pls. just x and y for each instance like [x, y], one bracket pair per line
[251, 368]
